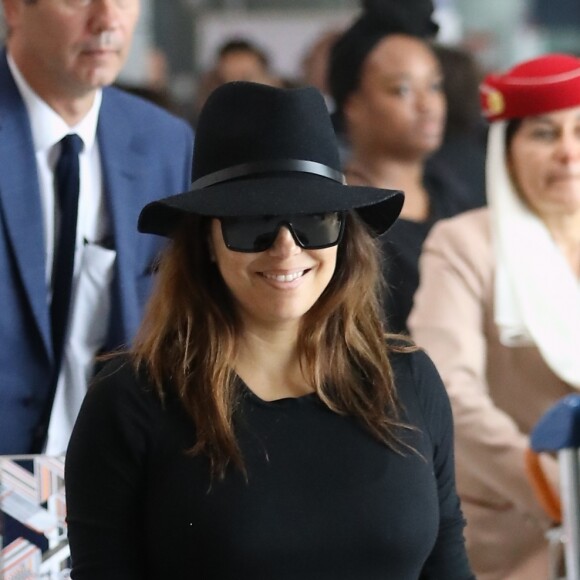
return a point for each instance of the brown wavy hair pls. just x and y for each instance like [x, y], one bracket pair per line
[190, 331]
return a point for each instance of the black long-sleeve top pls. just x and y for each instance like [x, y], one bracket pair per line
[403, 243]
[323, 501]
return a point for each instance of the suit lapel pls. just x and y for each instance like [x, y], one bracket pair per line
[122, 166]
[20, 200]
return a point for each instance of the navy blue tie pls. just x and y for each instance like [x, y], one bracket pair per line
[67, 181]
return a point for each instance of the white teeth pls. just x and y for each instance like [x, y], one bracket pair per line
[284, 277]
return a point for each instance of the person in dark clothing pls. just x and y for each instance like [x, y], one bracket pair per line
[263, 425]
[403, 243]
[465, 139]
[387, 85]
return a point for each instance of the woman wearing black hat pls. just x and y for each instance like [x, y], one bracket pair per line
[387, 85]
[262, 426]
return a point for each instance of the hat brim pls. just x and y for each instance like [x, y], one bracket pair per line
[274, 195]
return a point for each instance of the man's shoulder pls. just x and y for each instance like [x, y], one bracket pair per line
[135, 108]
[9, 94]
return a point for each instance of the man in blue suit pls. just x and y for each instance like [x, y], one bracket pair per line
[60, 54]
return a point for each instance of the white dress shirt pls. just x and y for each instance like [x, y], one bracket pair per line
[93, 271]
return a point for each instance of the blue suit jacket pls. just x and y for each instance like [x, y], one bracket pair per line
[146, 154]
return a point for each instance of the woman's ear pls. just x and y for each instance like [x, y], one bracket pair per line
[352, 109]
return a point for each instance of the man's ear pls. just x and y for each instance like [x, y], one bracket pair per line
[12, 9]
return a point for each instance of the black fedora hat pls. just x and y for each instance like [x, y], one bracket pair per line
[261, 150]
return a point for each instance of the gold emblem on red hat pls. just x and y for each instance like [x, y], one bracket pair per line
[495, 103]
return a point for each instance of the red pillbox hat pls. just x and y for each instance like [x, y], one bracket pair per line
[540, 85]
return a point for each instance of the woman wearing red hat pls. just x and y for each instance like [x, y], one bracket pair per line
[498, 309]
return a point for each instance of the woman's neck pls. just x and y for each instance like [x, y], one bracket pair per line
[268, 363]
[398, 174]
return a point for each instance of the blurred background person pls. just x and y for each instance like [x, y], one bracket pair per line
[387, 85]
[237, 59]
[155, 86]
[315, 63]
[464, 141]
[78, 162]
[498, 309]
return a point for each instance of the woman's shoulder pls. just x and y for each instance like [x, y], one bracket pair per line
[417, 382]
[120, 422]
[464, 240]
[407, 359]
[411, 364]
[470, 226]
[120, 384]
[117, 369]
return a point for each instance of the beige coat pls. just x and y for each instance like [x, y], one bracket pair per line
[497, 394]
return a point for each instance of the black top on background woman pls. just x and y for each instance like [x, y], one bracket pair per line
[262, 426]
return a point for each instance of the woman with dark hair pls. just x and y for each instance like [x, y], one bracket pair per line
[387, 85]
[465, 137]
[262, 425]
[498, 309]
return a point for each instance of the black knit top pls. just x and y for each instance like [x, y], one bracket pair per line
[323, 500]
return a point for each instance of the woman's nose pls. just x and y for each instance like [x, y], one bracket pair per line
[284, 243]
[569, 147]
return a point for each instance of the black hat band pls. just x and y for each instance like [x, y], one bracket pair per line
[245, 169]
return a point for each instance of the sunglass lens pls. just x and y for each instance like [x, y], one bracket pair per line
[318, 230]
[247, 234]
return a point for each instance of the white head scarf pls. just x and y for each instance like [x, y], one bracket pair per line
[537, 296]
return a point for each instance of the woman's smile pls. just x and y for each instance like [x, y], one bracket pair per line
[284, 277]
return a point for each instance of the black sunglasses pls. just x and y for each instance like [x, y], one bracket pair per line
[257, 234]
